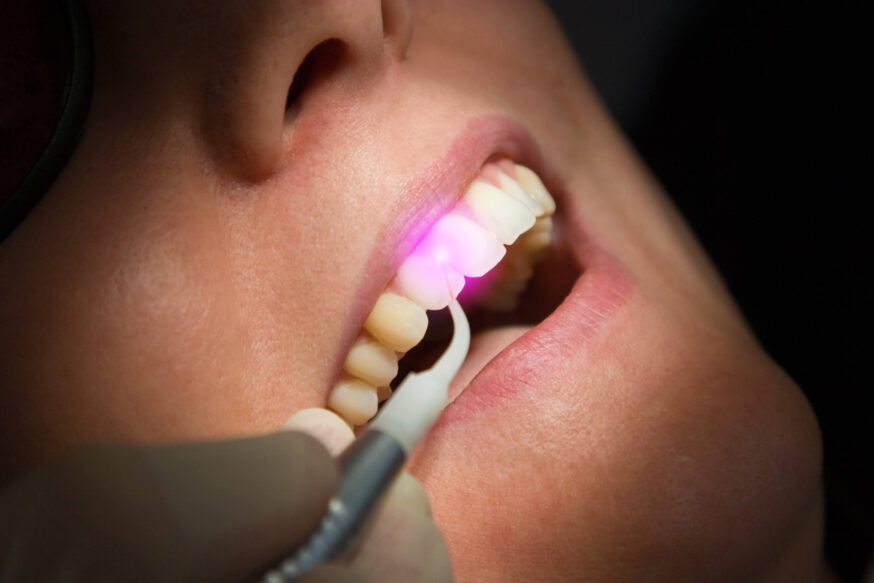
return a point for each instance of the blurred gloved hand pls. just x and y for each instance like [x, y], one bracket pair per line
[206, 512]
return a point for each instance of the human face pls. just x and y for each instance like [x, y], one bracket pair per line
[209, 256]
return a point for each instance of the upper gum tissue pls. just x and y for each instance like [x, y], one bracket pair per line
[506, 204]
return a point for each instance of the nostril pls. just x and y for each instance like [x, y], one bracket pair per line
[323, 60]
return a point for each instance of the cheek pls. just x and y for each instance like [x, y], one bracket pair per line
[137, 325]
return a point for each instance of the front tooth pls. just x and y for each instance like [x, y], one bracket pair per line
[531, 183]
[372, 362]
[354, 400]
[397, 322]
[512, 188]
[428, 282]
[462, 244]
[498, 211]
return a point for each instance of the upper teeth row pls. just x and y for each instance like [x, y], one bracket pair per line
[505, 204]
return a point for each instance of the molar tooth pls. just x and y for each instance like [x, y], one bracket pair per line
[513, 188]
[531, 183]
[354, 400]
[463, 245]
[428, 282]
[397, 322]
[372, 362]
[498, 211]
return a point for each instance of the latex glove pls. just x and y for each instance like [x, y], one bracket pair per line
[402, 544]
[205, 512]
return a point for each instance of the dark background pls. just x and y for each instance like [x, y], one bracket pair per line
[754, 119]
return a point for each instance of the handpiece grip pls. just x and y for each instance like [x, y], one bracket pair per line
[367, 467]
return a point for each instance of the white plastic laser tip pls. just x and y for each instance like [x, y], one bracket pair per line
[418, 401]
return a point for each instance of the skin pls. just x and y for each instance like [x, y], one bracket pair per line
[207, 257]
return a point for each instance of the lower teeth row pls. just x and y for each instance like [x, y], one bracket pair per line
[506, 205]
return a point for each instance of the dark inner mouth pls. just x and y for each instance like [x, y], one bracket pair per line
[553, 278]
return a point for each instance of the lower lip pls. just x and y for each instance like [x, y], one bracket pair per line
[572, 329]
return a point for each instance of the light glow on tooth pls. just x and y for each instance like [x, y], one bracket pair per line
[428, 280]
[397, 322]
[531, 183]
[464, 246]
[498, 211]
[354, 400]
[372, 362]
[512, 188]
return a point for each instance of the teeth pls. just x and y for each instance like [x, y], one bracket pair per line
[465, 246]
[537, 239]
[506, 205]
[428, 282]
[397, 322]
[531, 183]
[513, 188]
[498, 211]
[355, 400]
[372, 362]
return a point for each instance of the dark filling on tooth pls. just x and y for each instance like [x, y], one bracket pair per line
[553, 278]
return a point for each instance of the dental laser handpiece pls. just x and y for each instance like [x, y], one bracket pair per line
[371, 462]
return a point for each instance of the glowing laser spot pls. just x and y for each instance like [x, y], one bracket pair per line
[455, 247]
[441, 255]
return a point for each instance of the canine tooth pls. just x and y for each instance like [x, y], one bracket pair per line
[372, 362]
[512, 188]
[428, 282]
[465, 246]
[498, 211]
[354, 400]
[397, 322]
[531, 183]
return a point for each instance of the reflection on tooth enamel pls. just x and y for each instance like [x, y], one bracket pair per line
[531, 183]
[355, 400]
[397, 322]
[498, 211]
[428, 282]
[372, 362]
[463, 245]
[512, 188]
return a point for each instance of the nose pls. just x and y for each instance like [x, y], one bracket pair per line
[240, 68]
[284, 52]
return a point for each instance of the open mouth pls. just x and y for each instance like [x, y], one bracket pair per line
[496, 251]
